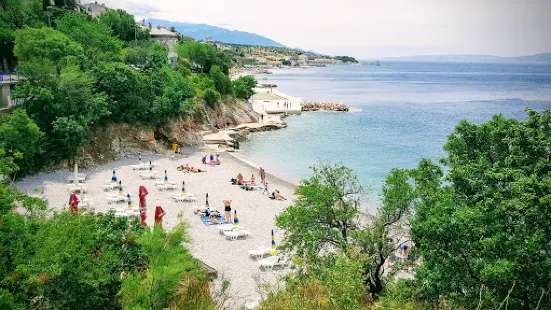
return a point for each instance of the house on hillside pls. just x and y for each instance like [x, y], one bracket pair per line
[165, 37]
[94, 9]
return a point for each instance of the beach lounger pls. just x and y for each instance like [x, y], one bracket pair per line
[127, 212]
[260, 252]
[273, 261]
[148, 175]
[163, 182]
[110, 186]
[235, 234]
[168, 186]
[141, 167]
[228, 227]
[186, 197]
[77, 188]
[81, 178]
[115, 198]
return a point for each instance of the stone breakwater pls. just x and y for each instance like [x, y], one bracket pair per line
[324, 106]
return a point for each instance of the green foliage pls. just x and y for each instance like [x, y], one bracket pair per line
[483, 229]
[346, 59]
[333, 288]
[203, 56]
[77, 260]
[211, 97]
[168, 264]
[222, 82]
[92, 35]
[20, 135]
[46, 44]
[244, 86]
[123, 25]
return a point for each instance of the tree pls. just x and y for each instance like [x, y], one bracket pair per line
[123, 25]
[326, 219]
[211, 97]
[46, 44]
[95, 37]
[222, 82]
[168, 263]
[19, 134]
[244, 86]
[483, 229]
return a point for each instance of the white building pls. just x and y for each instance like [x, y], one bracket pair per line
[94, 8]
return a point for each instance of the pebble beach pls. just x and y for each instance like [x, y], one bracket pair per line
[256, 212]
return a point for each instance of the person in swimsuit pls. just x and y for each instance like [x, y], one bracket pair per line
[227, 209]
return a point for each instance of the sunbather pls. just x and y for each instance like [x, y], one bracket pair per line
[240, 180]
[277, 195]
[195, 170]
[252, 180]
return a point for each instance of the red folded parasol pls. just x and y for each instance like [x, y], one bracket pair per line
[73, 203]
[159, 213]
[143, 193]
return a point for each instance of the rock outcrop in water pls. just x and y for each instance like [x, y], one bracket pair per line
[324, 106]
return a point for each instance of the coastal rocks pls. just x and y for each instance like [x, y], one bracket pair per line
[147, 136]
[229, 139]
[324, 106]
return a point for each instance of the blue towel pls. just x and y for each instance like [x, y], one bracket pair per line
[207, 221]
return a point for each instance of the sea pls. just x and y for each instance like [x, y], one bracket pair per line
[400, 112]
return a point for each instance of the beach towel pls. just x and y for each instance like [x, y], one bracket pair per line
[207, 221]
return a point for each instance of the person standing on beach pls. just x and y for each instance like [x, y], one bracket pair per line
[262, 117]
[227, 209]
[266, 189]
[278, 104]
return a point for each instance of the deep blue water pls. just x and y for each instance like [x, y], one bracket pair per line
[402, 112]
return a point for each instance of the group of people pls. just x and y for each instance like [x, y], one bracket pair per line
[211, 161]
[224, 125]
[286, 105]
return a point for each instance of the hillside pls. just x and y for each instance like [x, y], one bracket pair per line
[201, 31]
[544, 58]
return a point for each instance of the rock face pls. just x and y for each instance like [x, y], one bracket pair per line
[324, 106]
[113, 141]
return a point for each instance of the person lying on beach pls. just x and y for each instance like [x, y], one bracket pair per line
[183, 168]
[276, 195]
[240, 180]
[195, 170]
[213, 219]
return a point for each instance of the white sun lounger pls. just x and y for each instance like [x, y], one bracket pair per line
[77, 188]
[234, 235]
[81, 178]
[260, 252]
[186, 197]
[148, 175]
[127, 212]
[141, 166]
[228, 227]
[115, 198]
[270, 262]
[163, 182]
[110, 186]
[166, 186]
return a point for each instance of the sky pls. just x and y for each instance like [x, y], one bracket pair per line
[369, 29]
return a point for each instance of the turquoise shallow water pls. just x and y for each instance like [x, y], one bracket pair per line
[401, 113]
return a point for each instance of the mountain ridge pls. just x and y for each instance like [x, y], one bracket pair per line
[534, 58]
[201, 31]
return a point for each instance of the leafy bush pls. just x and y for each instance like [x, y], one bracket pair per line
[211, 97]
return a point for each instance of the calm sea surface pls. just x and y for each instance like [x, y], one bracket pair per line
[401, 113]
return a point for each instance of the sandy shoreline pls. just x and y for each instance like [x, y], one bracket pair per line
[256, 211]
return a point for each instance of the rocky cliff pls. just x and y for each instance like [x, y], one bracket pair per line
[117, 140]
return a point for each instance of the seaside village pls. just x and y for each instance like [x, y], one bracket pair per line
[122, 186]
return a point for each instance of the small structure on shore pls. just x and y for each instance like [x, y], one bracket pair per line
[324, 106]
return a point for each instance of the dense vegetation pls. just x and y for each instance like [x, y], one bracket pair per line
[347, 59]
[82, 73]
[481, 230]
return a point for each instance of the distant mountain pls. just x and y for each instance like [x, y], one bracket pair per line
[201, 31]
[544, 58]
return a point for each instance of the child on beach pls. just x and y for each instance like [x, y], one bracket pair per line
[266, 189]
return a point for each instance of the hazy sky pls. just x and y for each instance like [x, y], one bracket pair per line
[372, 28]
